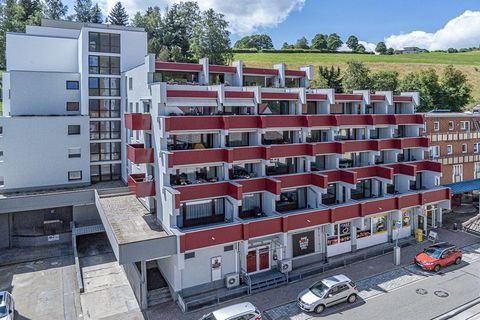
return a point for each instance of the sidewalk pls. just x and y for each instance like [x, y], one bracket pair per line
[358, 271]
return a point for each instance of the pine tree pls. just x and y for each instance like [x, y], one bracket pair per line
[55, 9]
[118, 15]
[96, 14]
[83, 10]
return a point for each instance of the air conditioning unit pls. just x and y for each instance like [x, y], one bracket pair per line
[285, 265]
[232, 280]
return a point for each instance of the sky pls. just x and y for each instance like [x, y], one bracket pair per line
[430, 24]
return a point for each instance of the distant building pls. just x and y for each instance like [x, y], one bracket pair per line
[411, 50]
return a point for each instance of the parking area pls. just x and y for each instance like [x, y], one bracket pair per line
[43, 289]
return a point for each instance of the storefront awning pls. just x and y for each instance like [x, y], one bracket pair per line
[464, 186]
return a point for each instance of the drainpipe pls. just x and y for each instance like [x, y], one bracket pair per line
[143, 285]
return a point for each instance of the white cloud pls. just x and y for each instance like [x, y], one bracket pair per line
[245, 16]
[460, 32]
[370, 47]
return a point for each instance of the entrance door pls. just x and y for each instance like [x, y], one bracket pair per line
[264, 258]
[252, 261]
[421, 223]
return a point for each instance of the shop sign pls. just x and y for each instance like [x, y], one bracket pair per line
[54, 237]
[303, 243]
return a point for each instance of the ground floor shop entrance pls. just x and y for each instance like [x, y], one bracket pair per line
[258, 259]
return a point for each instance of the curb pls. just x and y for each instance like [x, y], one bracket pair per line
[457, 311]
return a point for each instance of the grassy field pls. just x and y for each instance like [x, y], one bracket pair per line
[468, 62]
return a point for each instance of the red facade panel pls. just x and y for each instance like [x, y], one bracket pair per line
[346, 212]
[138, 184]
[210, 237]
[360, 145]
[262, 227]
[282, 121]
[402, 99]
[348, 97]
[221, 69]
[198, 94]
[260, 184]
[321, 121]
[416, 142]
[379, 206]
[316, 97]
[410, 118]
[138, 154]
[374, 171]
[383, 119]
[249, 153]
[174, 66]
[303, 179]
[327, 148]
[241, 122]
[377, 98]
[260, 71]
[178, 123]
[294, 73]
[428, 166]
[310, 219]
[386, 144]
[401, 168]
[291, 150]
[209, 190]
[239, 94]
[436, 195]
[184, 157]
[354, 119]
[279, 96]
[341, 176]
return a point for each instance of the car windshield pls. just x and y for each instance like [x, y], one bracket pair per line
[3, 311]
[433, 252]
[319, 289]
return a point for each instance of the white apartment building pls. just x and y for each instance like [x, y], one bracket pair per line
[238, 176]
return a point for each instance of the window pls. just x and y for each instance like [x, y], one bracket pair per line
[101, 130]
[104, 42]
[476, 170]
[275, 107]
[464, 148]
[105, 172]
[73, 106]
[228, 248]
[104, 65]
[104, 108]
[237, 139]
[73, 129]
[1, 156]
[476, 147]
[74, 152]
[73, 85]
[449, 149]
[457, 173]
[2, 181]
[451, 125]
[465, 125]
[104, 87]
[105, 151]
[379, 224]
[1, 131]
[75, 175]
[436, 126]
[189, 255]
[435, 151]
[130, 83]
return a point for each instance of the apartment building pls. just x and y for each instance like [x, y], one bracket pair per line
[235, 174]
[455, 143]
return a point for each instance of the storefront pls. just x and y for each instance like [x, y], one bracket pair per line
[339, 239]
[373, 231]
[406, 218]
[429, 218]
[263, 254]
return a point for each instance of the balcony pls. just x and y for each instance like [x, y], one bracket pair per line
[138, 154]
[138, 121]
[208, 190]
[138, 184]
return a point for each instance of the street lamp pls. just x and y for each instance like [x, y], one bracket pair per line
[396, 249]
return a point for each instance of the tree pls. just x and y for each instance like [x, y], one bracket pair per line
[286, 46]
[54, 9]
[390, 51]
[118, 15]
[426, 82]
[319, 42]
[256, 41]
[211, 39]
[31, 11]
[152, 22]
[455, 88]
[352, 43]
[356, 77]
[361, 48]
[384, 81]
[302, 43]
[11, 21]
[334, 42]
[332, 77]
[381, 48]
[83, 10]
[96, 15]
[178, 23]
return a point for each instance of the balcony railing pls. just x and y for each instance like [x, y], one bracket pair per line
[142, 187]
[138, 154]
[138, 121]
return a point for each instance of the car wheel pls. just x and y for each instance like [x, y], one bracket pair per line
[319, 308]
[458, 260]
[437, 268]
[352, 298]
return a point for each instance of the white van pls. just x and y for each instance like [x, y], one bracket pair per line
[7, 307]
[241, 311]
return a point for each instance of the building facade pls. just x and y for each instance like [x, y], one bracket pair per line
[233, 171]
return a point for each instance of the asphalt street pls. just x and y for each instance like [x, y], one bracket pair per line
[421, 295]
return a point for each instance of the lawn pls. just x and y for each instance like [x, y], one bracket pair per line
[468, 62]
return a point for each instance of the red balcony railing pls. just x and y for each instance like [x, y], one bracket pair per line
[303, 179]
[138, 184]
[403, 168]
[373, 171]
[186, 157]
[260, 184]
[209, 190]
[427, 166]
[138, 121]
[138, 154]
[417, 142]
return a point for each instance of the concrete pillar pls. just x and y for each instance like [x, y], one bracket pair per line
[353, 236]
[143, 285]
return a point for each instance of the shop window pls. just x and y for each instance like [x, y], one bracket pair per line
[303, 243]
[365, 229]
[379, 224]
[342, 233]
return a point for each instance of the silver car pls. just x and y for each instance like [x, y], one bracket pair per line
[7, 306]
[241, 311]
[326, 293]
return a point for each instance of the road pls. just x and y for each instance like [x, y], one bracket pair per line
[405, 293]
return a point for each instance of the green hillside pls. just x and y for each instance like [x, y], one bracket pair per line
[468, 62]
